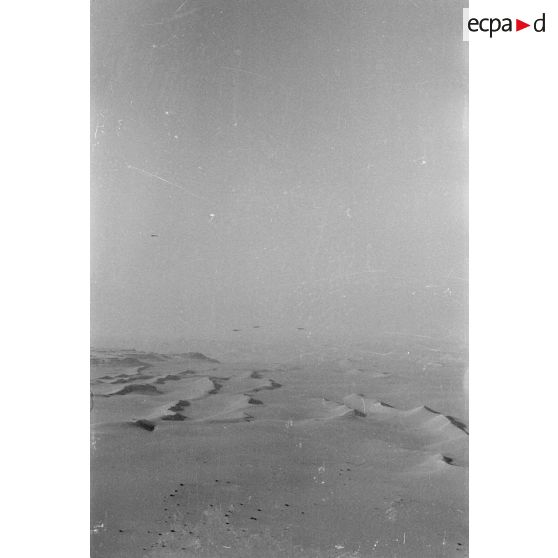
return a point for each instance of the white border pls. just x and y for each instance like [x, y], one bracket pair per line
[513, 284]
[45, 232]
[45, 278]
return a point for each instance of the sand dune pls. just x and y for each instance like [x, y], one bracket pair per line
[425, 417]
[283, 449]
[198, 356]
[144, 389]
[131, 378]
[366, 406]
[421, 416]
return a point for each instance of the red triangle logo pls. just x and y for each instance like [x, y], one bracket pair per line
[519, 25]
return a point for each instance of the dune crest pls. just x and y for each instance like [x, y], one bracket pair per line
[367, 406]
[144, 389]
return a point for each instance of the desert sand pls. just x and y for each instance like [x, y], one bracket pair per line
[360, 451]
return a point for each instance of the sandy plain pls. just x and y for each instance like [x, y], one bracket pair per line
[359, 451]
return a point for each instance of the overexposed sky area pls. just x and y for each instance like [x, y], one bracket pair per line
[287, 164]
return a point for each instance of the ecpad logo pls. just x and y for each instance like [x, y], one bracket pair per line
[493, 25]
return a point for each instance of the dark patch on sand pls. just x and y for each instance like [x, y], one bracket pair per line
[128, 379]
[457, 423]
[461, 425]
[146, 389]
[253, 401]
[272, 385]
[186, 373]
[218, 386]
[168, 378]
[180, 405]
[145, 424]
[174, 417]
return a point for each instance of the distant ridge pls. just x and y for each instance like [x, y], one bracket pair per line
[124, 362]
[199, 356]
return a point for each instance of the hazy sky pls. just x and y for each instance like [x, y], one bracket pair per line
[285, 163]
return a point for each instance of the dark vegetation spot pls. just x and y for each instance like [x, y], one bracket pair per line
[253, 401]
